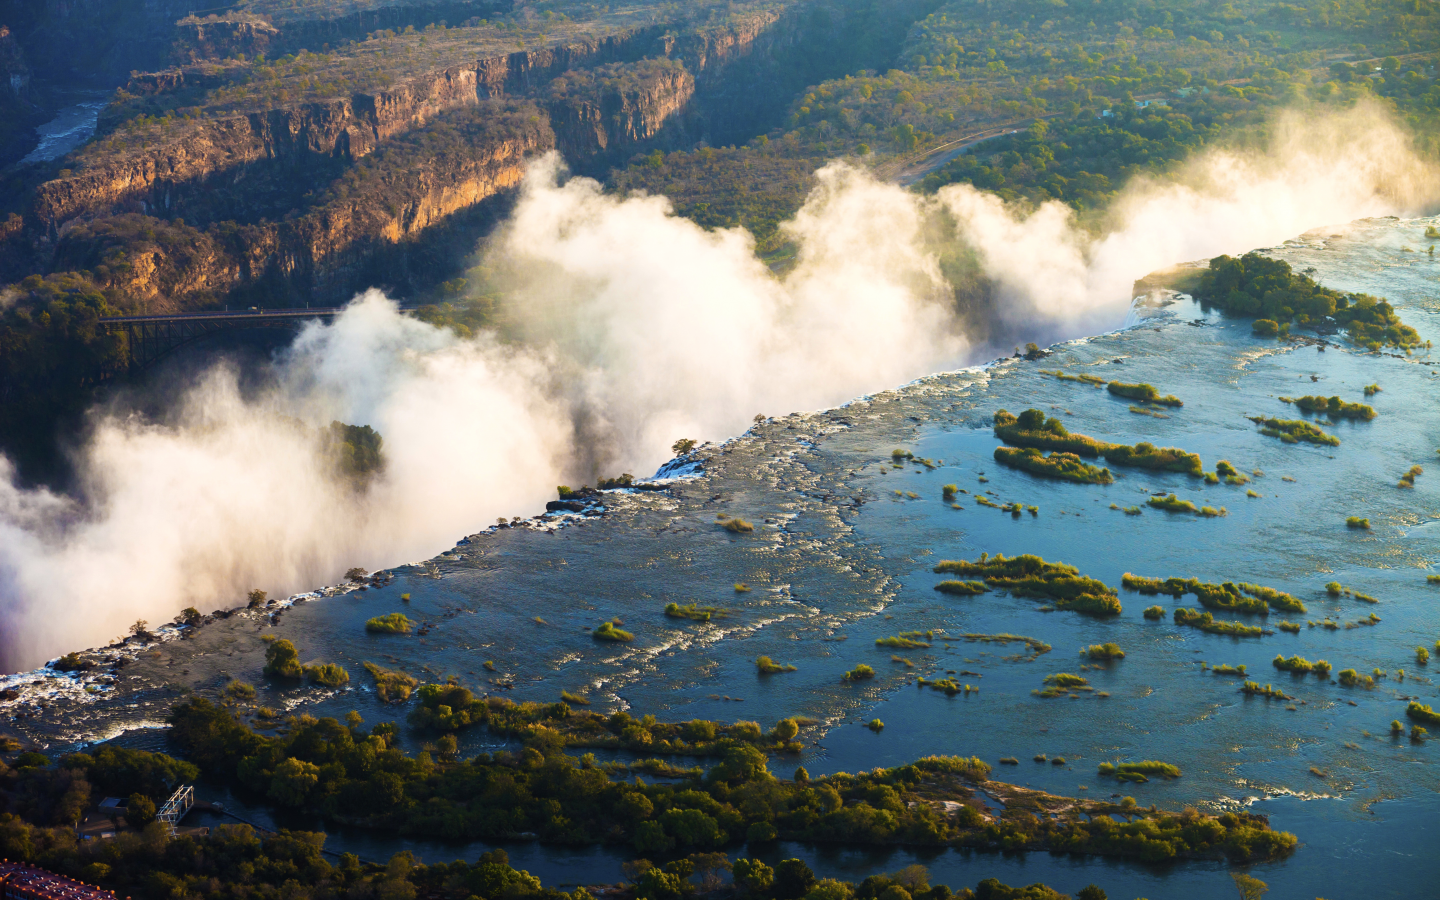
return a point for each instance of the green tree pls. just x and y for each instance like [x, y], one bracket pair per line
[139, 811]
[1250, 888]
[292, 781]
[753, 875]
[282, 660]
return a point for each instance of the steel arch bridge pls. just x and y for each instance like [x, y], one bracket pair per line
[152, 338]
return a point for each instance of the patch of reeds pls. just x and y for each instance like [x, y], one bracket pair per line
[1408, 479]
[1172, 504]
[859, 673]
[1193, 618]
[1228, 670]
[693, 612]
[1357, 522]
[573, 699]
[1063, 684]
[1106, 651]
[962, 588]
[1269, 692]
[1139, 772]
[329, 675]
[1143, 392]
[1421, 712]
[1299, 666]
[1333, 407]
[910, 640]
[1154, 612]
[1033, 577]
[1083, 378]
[737, 525]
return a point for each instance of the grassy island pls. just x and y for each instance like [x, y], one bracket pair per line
[768, 666]
[1082, 378]
[1033, 430]
[1139, 772]
[948, 686]
[1193, 618]
[390, 685]
[1060, 465]
[1421, 712]
[1229, 597]
[1032, 577]
[1292, 431]
[328, 675]
[1106, 651]
[1172, 504]
[962, 588]
[1143, 392]
[1333, 407]
[1253, 689]
[1228, 670]
[607, 631]
[394, 623]
[1299, 666]
[1352, 678]
[1154, 612]
[861, 672]
[909, 640]
[693, 612]
[1357, 522]
[1408, 479]
[1063, 684]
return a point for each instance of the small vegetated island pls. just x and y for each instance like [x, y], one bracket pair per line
[1146, 393]
[1334, 407]
[1294, 431]
[1229, 597]
[1277, 296]
[1032, 429]
[394, 623]
[1030, 576]
[344, 774]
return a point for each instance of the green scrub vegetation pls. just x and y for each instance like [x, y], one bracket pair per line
[1357, 522]
[948, 686]
[1291, 627]
[1105, 651]
[1228, 670]
[910, 640]
[1408, 479]
[861, 672]
[1193, 618]
[737, 525]
[1256, 285]
[390, 685]
[1147, 456]
[875, 725]
[327, 675]
[1421, 712]
[1154, 612]
[1334, 407]
[1062, 466]
[1032, 429]
[1139, 772]
[1142, 392]
[1299, 666]
[1253, 689]
[394, 623]
[1372, 389]
[1082, 378]
[1172, 504]
[768, 666]
[1292, 431]
[693, 612]
[1034, 645]
[962, 588]
[607, 631]
[1030, 576]
[1352, 678]
[1063, 684]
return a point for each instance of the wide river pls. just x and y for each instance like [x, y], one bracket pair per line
[842, 553]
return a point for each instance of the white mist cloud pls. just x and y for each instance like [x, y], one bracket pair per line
[1317, 172]
[635, 328]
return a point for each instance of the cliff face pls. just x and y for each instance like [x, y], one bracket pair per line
[601, 114]
[199, 39]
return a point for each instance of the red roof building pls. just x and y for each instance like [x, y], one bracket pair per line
[21, 882]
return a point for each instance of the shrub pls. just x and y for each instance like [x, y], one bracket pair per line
[1291, 431]
[393, 623]
[875, 725]
[1422, 713]
[1301, 666]
[1031, 576]
[608, 632]
[693, 612]
[1155, 612]
[907, 641]
[1058, 465]
[328, 675]
[859, 673]
[1172, 504]
[1265, 327]
[391, 686]
[1103, 651]
[282, 660]
[1228, 670]
[1351, 678]
[737, 526]
[768, 666]
[1357, 522]
[1422, 656]
[1143, 392]
[1206, 622]
[1334, 407]
[1139, 771]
